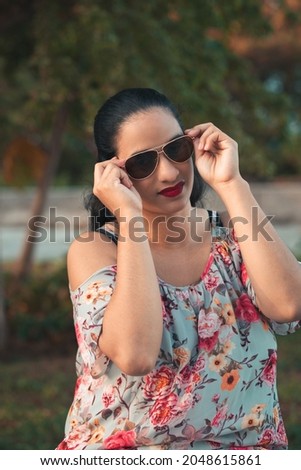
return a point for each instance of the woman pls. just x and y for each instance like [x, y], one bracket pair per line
[175, 311]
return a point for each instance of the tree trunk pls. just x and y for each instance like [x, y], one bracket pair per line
[24, 263]
[3, 325]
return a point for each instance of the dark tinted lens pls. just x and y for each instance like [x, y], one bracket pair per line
[180, 149]
[141, 165]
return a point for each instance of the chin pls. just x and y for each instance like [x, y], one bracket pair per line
[170, 206]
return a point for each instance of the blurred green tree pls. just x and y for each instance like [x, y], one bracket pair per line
[276, 61]
[60, 60]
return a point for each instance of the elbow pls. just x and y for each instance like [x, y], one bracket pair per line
[132, 357]
[137, 365]
[294, 311]
[289, 312]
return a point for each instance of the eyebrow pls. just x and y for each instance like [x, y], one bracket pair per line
[153, 148]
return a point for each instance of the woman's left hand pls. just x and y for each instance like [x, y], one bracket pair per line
[216, 154]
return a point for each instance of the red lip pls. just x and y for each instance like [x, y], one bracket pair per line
[173, 190]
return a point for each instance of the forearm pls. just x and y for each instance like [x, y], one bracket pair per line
[133, 323]
[274, 271]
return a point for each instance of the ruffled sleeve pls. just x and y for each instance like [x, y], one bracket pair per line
[89, 301]
[277, 328]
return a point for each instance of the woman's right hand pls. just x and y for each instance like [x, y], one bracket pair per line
[113, 187]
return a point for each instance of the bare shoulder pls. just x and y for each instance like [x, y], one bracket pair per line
[88, 253]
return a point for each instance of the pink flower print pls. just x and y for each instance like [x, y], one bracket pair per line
[78, 385]
[281, 434]
[243, 274]
[121, 440]
[108, 397]
[167, 317]
[245, 310]
[158, 383]
[63, 445]
[199, 364]
[211, 282]
[208, 266]
[185, 375]
[215, 398]
[76, 439]
[185, 403]
[220, 416]
[267, 437]
[208, 324]
[78, 333]
[208, 344]
[164, 410]
[269, 372]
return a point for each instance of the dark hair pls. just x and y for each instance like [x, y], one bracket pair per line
[108, 121]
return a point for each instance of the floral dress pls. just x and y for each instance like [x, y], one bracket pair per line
[214, 383]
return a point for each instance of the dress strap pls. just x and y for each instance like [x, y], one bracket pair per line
[214, 218]
[108, 234]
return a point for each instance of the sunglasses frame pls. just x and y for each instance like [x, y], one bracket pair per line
[159, 150]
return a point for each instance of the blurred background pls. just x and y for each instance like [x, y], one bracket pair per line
[235, 63]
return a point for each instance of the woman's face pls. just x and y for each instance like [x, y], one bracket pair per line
[168, 189]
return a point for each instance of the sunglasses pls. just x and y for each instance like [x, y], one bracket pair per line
[143, 164]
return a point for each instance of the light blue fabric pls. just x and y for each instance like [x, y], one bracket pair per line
[214, 384]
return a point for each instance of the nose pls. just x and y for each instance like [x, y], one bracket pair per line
[166, 169]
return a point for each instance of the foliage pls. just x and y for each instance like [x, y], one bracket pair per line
[23, 163]
[39, 311]
[289, 376]
[82, 51]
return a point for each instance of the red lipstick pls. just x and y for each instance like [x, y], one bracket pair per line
[172, 191]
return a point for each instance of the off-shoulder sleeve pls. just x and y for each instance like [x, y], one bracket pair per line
[89, 301]
[278, 328]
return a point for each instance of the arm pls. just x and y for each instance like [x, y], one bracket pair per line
[132, 327]
[274, 271]
[132, 324]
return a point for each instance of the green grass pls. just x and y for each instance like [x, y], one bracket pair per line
[289, 386]
[35, 396]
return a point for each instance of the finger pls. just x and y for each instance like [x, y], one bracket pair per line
[116, 161]
[124, 178]
[209, 139]
[198, 130]
[213, 139]
[116, 175]
[103, 167]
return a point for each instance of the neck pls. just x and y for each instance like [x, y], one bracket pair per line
[176, 230]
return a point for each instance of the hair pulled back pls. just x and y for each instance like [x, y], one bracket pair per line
[108, 121]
